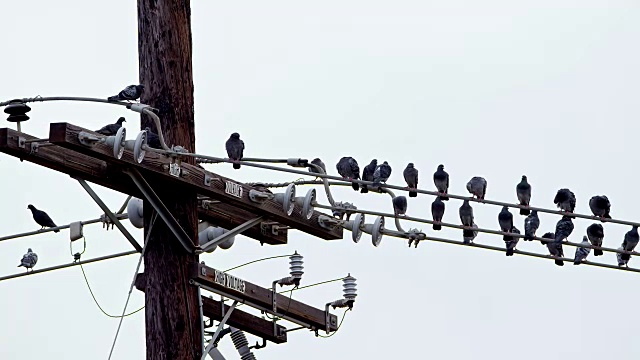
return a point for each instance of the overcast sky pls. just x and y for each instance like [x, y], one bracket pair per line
[543, 88]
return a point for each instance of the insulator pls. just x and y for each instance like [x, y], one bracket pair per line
[241, 344]
[296, 267]
[349, 287]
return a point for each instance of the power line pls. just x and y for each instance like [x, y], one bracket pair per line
[255, 261]
[96, 301]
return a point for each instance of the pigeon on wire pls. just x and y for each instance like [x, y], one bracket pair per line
[399, 205]
[595, 234]
[565, 200]
[621, 262]
[466, 217]
[382, 173]
[437, 212]
[582, 252]
[111, 129]
[505, 219]
[441, 180]
[42, 218]
[477, 186]
[564, 228]
[410, 174]
[348, 168]
[29, 260]
[318, 163]
[523, 191]
[153, 140]
[131, 92]
[600, 206]
[469, 239]
[630, 241]
[531, 225]
[367, 174]
[555, 248]
[512, 242]
[235, 149]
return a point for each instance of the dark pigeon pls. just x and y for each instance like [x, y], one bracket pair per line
[512, 242]
[582, 252]
[466, 217]
[410, 174]
[235, 149]
[131, 92]
[29, 260]
[111, 129]
[523, 191]
[600, 206]
[437, 212]
[367, 174]
[565, 200]
[631, 239]
[477, 186]
[399, 205]
[595, 233]
[564, 228]
[555, 248]
[382, 173]
[153, 140]
[531, 225]
[348, 168]
[42, 218]
[319, 163]
[441, 180]
[505, 220]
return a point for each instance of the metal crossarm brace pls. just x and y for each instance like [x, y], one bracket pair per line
[233, 232]
[220, 326]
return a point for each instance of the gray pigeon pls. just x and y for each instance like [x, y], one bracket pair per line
[367, 174]
[410, 174]
[131, 92]
[631, 239]
[319, 163]
[235, 149]
[381, 174]
[505, 219]
[595, 233]
[348, 168]
[399, 205]
[512, 242]
[111, 129]
[600, 206]
[477, 186]
[153, 140]
[564, 228]
[621, 262]
[555, 248]
[466, 217]
[42, 218]
[437, 212]
[469, 239]
[29, 260]
[441, 180]
[582, 252]
[565, 200]
[531, 225]
[523, 191]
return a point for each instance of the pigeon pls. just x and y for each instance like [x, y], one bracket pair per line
[348, 168]
[153, 140]
[582, 252]
[555, 248]
[42, 218]
[381, 174]
[437, 212]
[565, 200]
[317, 162]
[469, 239]
[367, 174]
[466, 217]
[477, 186]
[111, 129]
[523, 191]
[235, 149]
[399, 205]
[531, 225]
[131, 92]
[410, 174]
[595, 233]
[505, 219]
[621, 262]
[512, 242]
[441, 180]
[631, 239]
[600, 206]
[29, 260]
[564, 228]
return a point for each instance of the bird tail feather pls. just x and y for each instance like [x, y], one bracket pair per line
[113, 98]
[355, 186]
[413, 194]
[364, 189]
[20, 265]
[509, 252]
[528, 237]
[625, 256]
[576, 262]
[525, 212]
[507, 238]
[559, 262]
[444, 198]
[597, 252]
[467, 233]
[56, 230]
[236, 166]
[437, 227]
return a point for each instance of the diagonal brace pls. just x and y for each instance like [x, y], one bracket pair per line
[220, 326]
[162, 210]
[110, 214]
[233, 232]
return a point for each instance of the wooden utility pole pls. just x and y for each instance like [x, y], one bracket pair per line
[171, 305]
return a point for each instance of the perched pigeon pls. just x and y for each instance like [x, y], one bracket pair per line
[437, 212]
[399, 205]
[348, 168]
[441, 180]
[319, 163]
[477, 186]
[621, 262]
[381, 174]
[600, 206]
[631, 239]
[523, 191]
[153, 140]
[29, 260]
[111, 129]
[595, 233]
[531, 225]
[555, 248]
[410, 174]
[505, 219]
[42, 218]
[367, 174]
[235, 149]
[131, 92]
[512, 242]
[582, 252]
[469, 239]
[565, 200]
[564, 228]
[466, 217]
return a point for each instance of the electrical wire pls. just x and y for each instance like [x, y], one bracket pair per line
[96, 301]
[312, 285]
[339, 325]
[255, 261]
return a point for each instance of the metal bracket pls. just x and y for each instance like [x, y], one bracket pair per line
[328, 222]
[233, 232]
[207, 180]
[220, 326]
[174, 169]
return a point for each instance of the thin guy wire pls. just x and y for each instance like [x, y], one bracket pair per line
[255, 261]
[42, 231]
[96, 301]
[339, 325]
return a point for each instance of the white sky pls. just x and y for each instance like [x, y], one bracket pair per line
[542, 88]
